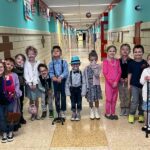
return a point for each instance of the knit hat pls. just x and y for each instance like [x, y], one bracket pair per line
[75, 60]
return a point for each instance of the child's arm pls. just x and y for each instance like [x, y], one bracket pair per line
[84, 86]
[41, 88]
[65, 71]
[129, 80]
[26, 74]
[67, 87]
[143, 77]
[105, 73]
[17, 85]
[119, 72]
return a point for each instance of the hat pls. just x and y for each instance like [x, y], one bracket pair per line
[75, 60]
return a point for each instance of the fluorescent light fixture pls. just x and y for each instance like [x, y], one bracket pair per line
[81, 5]
[76, 14]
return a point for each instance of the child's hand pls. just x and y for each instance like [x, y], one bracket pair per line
[122, 80]
[129, 87]
[59, 79]
[54, 79]
[147, 78]
[114, 85]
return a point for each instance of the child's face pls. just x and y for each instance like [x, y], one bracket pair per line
[43, 72]
[111, 53]
[19, 61]
[124, 51]
[56, 53]
[1, 69]
[9, 65]
[138, 54]
[93, 60]
[75, 66]
[31, 55]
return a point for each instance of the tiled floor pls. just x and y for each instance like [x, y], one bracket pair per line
[106, 134]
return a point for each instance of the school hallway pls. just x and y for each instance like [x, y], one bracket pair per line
[86, 134]
[77, 26]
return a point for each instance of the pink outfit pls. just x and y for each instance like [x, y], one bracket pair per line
[112, 73]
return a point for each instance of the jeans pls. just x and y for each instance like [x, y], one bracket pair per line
[4, 125]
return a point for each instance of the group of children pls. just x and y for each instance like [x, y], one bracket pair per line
[123, 75]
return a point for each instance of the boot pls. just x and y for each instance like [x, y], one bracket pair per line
[122, 112]
[92, 115]
[131, 119]
[141, 119]
[22, 120]
[97, 115]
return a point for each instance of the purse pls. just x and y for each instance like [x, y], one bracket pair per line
[14, 117]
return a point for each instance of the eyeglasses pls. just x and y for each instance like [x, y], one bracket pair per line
[41, 71]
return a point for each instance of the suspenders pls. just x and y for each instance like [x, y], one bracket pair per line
[71, 77]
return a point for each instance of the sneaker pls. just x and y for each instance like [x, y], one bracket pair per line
[44, 114]
[10, 137]
[92, 116]
[37, 117]
[114, 117]
[22, 120]
[73, 117]
[122, 112]
[51, 114]
[63, 114]
[4, 138]
[78, 116]
[32, 118]
[97, 115]
[131, 119]
[141, 119]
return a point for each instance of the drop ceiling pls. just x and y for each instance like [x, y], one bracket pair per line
[74, 11]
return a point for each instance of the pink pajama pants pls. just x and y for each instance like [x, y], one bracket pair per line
[111, 98]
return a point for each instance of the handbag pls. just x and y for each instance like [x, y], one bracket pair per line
[14, 117]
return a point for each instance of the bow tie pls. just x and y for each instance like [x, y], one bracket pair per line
[76, 71]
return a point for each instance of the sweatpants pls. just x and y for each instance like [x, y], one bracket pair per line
[46, 100]
[124, 95]
[136, 101]
[111, 98]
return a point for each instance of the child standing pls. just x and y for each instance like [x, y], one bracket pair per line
[58, 70]
[112, 73]
[10, 85]
[75, 88]
[46, 91]
[123, 83]
[145, 77]
[135, 70]
[92, 77]
[19, 70]
[31, 76]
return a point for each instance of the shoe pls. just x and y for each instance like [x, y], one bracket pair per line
[37, 117]
[126, 112]
[73, 117]
[141, 119]
[109, 116]
[32, 118]
[51, 114]
[122, 112]
[92, 115]
[131, 119]
[10, 137]
[22, 120]
[114, 117]
[44, 114]
[78, 116]
[97, 116]
[4, 138]
[63, 115]
[146, 129]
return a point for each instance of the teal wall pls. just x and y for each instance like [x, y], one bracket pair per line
[12, 15]
[124, 13]
[53, 25]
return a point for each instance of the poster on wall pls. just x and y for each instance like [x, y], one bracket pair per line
[27, 10]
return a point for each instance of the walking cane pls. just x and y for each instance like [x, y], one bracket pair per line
[148, 96]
